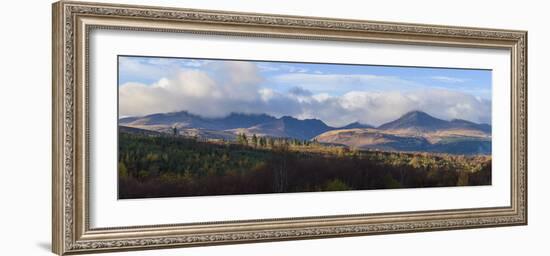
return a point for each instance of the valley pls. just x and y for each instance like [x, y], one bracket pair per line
[414, 131]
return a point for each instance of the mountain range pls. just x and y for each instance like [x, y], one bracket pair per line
[413, 131]
[424, 122]
[235, 123]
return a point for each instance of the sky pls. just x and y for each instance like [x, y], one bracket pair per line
[337, 94]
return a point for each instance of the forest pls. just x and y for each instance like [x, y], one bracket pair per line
[152, 166]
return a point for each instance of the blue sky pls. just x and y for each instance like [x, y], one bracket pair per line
[265, 85]
[474, 81]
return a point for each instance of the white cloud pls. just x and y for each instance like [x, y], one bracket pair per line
[379, 107]
[137, 68]
[299, 91]
[267, 68]
[294, 69]
[134, 67]
[234, 89]
[448, 79]
[195, 63]
[145, 69]
[237, 87]
[342, 83]
[326, 78]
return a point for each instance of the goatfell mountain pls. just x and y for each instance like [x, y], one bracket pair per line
[417, 131]
[423, 122]
[414, 131]
[417, 120]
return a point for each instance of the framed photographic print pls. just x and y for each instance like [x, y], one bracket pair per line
[179, 127]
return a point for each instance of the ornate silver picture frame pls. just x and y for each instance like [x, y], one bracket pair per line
[74, 21]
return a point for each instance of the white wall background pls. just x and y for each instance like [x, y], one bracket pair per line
[25, 149]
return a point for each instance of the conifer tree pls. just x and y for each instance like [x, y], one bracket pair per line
[254, 140]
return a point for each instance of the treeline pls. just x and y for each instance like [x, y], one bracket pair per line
[165, 166]
[270, 142]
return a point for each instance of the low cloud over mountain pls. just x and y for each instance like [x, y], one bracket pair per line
[413, 131]
[217, 89]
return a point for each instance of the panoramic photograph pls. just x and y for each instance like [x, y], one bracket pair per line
[211, 127]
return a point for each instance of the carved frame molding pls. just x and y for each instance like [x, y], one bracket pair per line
[72, 22]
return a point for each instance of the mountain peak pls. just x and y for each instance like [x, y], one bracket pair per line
[288, 118]
[422, 121]
[416, 114]
[239, 114]
[294, 119]
[415, 120]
